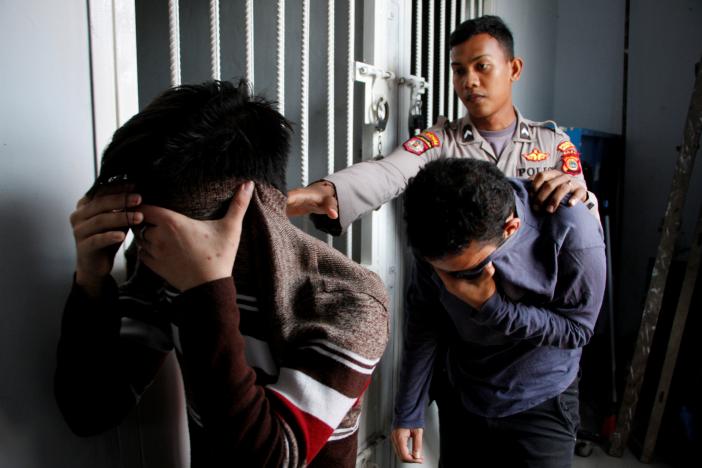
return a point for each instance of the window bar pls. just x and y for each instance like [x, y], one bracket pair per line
[430, 67]
[449, 84]
[304, 87]
[214, 40]
[472, 8]
[330, 92]
[480, 7]
[442, 57]
[350, 80]
[464, 12]
[249, 27]
[280, 62]
[418, 41]
[174, 40]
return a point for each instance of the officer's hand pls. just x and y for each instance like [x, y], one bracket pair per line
[100, 226]
[316, 198]
[400, 439]
[474, 292]
[186, 252]
[550, 187]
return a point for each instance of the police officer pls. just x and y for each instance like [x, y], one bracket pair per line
[484, 69]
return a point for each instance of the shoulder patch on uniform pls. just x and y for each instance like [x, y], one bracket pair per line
[421, 143]
[567, 147]
[535, 155]
[571, 164]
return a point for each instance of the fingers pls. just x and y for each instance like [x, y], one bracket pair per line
[400, 438]
[550, 187]
[317, 198]
[106, 222]
[238, 206]
[417, 436]
[89, 207]
[102, 240]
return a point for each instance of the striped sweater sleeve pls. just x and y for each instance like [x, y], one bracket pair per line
[283, 424]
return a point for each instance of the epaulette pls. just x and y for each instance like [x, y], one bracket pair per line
[550, 124]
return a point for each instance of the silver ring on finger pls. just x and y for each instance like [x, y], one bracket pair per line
[142, 233]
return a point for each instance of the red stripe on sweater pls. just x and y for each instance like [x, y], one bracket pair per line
[315, 431]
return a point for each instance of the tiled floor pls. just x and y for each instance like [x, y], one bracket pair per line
[599, 459]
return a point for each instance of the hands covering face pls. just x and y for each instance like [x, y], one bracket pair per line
[187, 252]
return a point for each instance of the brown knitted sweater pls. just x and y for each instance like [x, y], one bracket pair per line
[274, 369]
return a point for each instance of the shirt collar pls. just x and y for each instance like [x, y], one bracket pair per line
[470, 134]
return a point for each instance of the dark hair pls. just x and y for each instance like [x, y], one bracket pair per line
[452, 202]
[195, 134]
[488, 24]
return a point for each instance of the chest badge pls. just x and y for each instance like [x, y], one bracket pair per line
[535, 155]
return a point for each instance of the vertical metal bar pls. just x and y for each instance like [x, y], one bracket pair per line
[480, 7]
[330, 87]
[464, 16]
[304, 88]
[214, 40]
[280, 62]
[430, 67]
[418, 40]
[442, 57]
[249, 27]
[452, 96]
[330, 92]
[174, 40]
[472, 8]
[350, 80]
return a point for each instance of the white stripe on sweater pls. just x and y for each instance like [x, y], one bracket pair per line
[313, 397]
[350, 354]
[340, 359]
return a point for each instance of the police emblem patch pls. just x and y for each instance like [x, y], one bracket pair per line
[571, 164]
[421, 143]
[567, 147]
[535, 155]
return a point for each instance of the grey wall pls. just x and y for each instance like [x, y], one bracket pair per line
[589, 65]
[45, 164]
[533, 24]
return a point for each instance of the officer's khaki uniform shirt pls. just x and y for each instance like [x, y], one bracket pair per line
[535, 147]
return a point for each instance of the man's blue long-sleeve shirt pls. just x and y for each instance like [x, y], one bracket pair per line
[524, 344]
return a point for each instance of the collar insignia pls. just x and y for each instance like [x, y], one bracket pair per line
[524, 131]
[468, 133]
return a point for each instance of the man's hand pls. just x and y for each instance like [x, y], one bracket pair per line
[475, 292]
[400, 439]
[186, 252]
[100, 226]
[550, 187]
[317, 198]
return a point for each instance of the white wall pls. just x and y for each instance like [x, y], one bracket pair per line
[45, 163]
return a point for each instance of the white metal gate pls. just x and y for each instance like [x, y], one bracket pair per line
[327, 64]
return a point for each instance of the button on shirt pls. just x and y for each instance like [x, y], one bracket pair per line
[524, 345]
